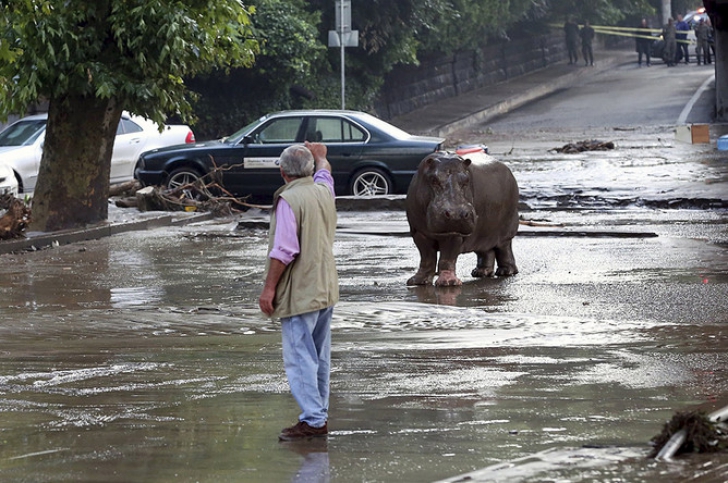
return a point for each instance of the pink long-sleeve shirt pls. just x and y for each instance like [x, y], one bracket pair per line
[285, 241]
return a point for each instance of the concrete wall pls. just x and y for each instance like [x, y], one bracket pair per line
[408, 88]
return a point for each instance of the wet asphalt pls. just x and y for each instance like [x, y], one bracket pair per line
[143, 357]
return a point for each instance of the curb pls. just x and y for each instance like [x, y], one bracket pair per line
[39, 241]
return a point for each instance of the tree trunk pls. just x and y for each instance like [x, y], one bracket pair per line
[73, 180]
[721, 75]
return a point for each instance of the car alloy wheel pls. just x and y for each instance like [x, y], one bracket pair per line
[188, 181]
[371, 182]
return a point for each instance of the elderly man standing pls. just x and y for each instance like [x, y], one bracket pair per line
[301, 284]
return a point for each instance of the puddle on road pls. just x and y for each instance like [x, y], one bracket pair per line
[144, 358]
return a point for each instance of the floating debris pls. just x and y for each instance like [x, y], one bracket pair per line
[689, 432]
[582, 146]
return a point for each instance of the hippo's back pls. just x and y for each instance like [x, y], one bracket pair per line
[495, 197]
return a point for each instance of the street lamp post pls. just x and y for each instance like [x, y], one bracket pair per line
[343, 37]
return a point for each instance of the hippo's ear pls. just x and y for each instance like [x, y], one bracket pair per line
[429, 163]
[466, 162]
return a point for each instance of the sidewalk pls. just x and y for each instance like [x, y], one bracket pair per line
[120, 220]
[481, 105]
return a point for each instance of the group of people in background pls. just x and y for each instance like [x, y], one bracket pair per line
[576, 35]
[676, 43]
[674, 35]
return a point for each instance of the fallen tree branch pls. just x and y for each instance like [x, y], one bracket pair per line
[15, 220]
[203, 194]
[122, 188]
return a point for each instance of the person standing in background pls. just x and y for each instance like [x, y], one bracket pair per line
[682, 28]
[571, 30]
[669, 36]
[587, 39]
[643, 42]
[702, 48]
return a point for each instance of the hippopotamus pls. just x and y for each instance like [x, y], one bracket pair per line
[459, 205]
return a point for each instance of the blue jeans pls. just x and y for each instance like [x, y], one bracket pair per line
[307, 359]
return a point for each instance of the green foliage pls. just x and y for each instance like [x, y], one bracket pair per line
[135, 52]
[294, 56]
[601, 12]
[291, 58]
[685, 6]
[466, 24]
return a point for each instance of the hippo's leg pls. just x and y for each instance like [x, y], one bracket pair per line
[506, 260]
[428, 260]
[449, 252]
[486, 264]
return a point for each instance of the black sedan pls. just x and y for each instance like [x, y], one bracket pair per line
[368, 156]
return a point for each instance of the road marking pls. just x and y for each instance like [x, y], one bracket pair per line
[38, 453]
[689, 106]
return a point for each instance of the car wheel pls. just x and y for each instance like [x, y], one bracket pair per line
[371, 182]
[188, 181]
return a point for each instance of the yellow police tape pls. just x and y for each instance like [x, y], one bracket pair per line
[634, 32]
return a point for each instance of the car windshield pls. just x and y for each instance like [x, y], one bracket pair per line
[238, 135]
[22, 133]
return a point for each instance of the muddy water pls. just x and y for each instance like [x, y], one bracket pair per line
[143, 358]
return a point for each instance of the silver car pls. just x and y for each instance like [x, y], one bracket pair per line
[8, 182]
[21, 146]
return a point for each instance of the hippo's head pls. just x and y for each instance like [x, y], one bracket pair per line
[450, 210]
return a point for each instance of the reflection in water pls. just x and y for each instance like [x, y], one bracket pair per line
[485, 292]
[430, 294]
[134, 266]
[315, 465]
[126, 297]
[182, 380]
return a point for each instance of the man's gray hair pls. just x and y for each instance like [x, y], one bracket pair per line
[297, 161]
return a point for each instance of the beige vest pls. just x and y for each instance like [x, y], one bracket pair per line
[310, 281]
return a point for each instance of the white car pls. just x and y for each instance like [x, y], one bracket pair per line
[8, 183]
[21, 146]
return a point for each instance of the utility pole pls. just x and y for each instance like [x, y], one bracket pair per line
[343, 37]
[666, 11]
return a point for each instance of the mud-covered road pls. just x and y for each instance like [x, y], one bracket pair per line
[143, 357]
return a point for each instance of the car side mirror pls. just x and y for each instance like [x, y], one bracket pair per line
[247, 140]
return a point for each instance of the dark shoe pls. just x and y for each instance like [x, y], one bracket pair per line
[302, 431]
